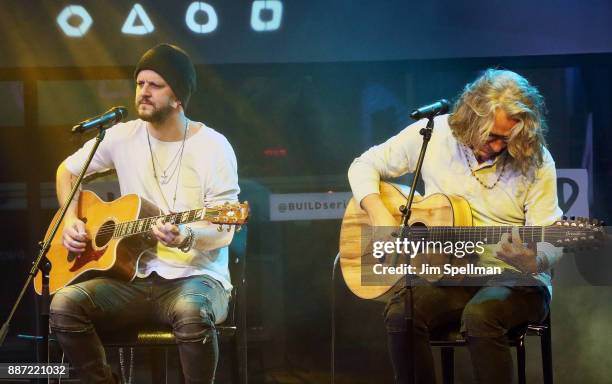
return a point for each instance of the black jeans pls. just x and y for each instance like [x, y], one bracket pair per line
[486, 314]
[190, 305]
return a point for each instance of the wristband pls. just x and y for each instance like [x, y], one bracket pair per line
[187, 243]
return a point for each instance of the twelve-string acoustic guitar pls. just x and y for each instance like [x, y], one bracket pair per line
[437, 216]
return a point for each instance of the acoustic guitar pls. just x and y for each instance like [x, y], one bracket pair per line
[119, 232]
[440, 217]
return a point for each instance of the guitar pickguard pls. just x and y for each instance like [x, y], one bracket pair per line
[87, 256]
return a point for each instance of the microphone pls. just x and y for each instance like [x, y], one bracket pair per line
[103, 121]
[438, 108]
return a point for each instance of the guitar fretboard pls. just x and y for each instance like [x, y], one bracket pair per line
[135, 227]
[488, 235]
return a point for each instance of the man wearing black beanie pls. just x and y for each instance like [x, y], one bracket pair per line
[183, 280]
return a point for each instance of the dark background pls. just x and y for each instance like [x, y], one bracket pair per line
[310, 31]
[298, 104]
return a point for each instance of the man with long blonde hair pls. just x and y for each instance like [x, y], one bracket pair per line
[491, 150]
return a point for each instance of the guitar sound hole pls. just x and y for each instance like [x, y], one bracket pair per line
[419, 232]
[105, 233]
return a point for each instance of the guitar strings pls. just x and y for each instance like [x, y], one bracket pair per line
[172, 218]
[465, 233]
[554, 234]
[437, 232]
[111, 228]
[447, 233]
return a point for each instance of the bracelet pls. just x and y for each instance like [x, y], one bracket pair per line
[541, 264]
[187, 243]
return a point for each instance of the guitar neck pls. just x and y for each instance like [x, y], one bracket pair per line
[487, 235]
[135, 227]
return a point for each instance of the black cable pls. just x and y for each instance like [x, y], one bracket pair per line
[333, 320]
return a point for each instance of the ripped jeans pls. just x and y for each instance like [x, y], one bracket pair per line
[191, 306]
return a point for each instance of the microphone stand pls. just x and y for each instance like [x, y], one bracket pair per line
[41, 262]
[406, 211]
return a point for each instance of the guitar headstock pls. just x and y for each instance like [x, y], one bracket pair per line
[229, 213]
[578, 232]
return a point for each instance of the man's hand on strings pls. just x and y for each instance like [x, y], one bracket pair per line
[512, 250]
[74, 236]
[168, 234]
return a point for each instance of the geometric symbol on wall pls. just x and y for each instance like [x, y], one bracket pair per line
[208, 11]
[266, 15]
[145, 25]
[74, 11]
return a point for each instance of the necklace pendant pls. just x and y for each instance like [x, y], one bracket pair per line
[164, 178]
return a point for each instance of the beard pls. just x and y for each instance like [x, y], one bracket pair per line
[157, 115]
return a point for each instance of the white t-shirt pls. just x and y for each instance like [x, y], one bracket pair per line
[207, 177]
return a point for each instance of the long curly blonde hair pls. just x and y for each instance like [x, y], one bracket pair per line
[473, 115]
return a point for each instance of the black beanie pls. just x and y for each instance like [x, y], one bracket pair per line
[174, 65]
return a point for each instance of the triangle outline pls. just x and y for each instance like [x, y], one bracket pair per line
[137, 12]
